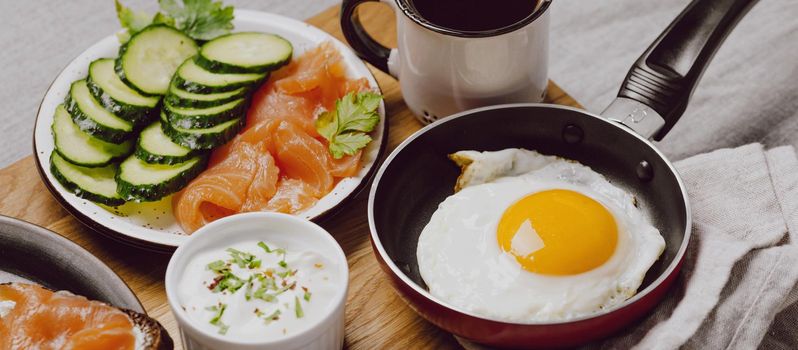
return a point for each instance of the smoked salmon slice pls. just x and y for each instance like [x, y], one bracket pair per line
[319, 66]
[264, 184]
[279, 162]
[257, 134]
[304, 158]
[221, 190]
[269, 104]
[346, 166]
[292, 196]
[43, 319]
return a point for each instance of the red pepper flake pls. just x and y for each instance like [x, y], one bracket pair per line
[215, 282]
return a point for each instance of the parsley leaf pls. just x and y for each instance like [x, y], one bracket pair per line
[348, 143]
[327, 124]
[200, 19]
[132, 21]
[345, 128]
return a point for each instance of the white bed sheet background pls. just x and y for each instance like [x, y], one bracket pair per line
[749, 93]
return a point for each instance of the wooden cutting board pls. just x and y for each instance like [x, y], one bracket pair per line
[376, 317]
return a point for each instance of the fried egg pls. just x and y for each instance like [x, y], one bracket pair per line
[535, 238]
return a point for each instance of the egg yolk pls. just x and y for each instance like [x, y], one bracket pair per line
[558, 232]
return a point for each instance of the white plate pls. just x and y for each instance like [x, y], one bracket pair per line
[152, 225]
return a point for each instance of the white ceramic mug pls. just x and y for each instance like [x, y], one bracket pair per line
[443, 71]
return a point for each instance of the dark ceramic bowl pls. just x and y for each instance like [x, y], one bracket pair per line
[29, 253]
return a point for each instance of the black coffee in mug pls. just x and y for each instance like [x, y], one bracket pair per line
[474, 15]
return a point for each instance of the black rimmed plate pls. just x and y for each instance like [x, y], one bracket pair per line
[151, 225]
[29, 253]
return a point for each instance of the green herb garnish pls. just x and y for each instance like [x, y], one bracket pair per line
[280, 251]
[269, 283]
[262, 294]
[347, 126]
[218, 266]
[229, 282]
[199, 19]
[242, 259]
[274, 316]
[269, 250]
[298, 308]
[287, 273]
[265, 247]
[132, 21]
[261, 284]
[248, 292]
[217, 318]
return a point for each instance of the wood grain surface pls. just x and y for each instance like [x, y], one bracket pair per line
[376, 317]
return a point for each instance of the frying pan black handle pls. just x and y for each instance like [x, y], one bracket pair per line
[664, 77]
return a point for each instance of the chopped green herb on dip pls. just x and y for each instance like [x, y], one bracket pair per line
[282, 290]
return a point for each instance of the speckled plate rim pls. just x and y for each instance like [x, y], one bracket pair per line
[101, 220]
[85, 266]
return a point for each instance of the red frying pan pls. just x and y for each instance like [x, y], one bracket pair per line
[418, 176]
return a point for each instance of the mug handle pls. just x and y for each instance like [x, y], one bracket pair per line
[364, 45]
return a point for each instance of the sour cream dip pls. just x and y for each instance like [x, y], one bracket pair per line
[259, 280]
[253, 290]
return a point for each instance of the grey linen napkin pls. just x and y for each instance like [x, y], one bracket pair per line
[742, 263]
[741, 266]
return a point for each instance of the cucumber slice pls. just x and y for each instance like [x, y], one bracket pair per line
[143, 182]
[202, 138]
[193, 78]
[95, 184]
[92, 118]
[155, 147]
[82, 149]
[117, 97]
[149, 60]
[193, 118]
[246, 52]
[181, 98]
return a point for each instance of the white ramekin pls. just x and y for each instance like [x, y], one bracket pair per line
[326, 333]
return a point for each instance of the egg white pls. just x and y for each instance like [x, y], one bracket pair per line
[461, 262]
